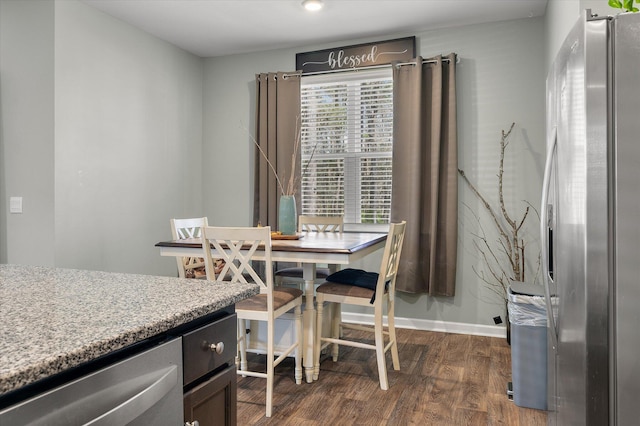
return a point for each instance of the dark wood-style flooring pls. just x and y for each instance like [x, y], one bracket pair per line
[444, 379]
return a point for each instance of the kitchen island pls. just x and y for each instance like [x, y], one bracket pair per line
[56, 320]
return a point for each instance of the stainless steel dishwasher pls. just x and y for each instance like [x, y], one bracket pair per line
[145, 389]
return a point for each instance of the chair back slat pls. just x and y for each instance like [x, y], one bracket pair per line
[187, 228]
[391, 259]
[185, 233]
[237, 247]
[320, 224]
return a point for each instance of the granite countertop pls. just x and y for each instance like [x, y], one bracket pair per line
[53, 319]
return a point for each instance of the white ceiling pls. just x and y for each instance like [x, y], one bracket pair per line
[211, 28]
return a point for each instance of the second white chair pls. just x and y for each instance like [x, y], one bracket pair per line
[356, 287]
[237, 247]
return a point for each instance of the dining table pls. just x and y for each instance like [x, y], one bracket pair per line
[308, 249]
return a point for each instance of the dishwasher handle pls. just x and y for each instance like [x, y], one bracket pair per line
[124, 413]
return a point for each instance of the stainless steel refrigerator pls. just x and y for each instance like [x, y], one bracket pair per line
[591, 224]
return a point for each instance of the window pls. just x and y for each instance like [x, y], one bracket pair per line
[347, 140]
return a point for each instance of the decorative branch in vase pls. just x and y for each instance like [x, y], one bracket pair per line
[503, 258]
[292, 181]
[287, 214]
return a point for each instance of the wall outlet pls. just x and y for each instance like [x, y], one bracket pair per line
[15, 204]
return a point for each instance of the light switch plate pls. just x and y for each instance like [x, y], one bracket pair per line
[15, 204]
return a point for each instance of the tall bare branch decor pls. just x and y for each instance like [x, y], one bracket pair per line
[504, 258]
[425, 181]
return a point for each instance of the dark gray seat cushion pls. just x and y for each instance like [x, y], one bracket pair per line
[356, 278]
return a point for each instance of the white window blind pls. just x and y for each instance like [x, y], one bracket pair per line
[346, 141]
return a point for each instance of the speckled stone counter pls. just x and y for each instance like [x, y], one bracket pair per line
[55, 319]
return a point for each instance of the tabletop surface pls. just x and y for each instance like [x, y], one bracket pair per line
[317, 242]
[52, 319]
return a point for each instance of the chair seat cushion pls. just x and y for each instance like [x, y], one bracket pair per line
[281, 296]
[345, 290]
[356, 277]
[321, 273]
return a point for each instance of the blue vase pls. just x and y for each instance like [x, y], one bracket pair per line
[287, 215]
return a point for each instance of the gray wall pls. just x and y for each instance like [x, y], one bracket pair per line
[26, 131]
[500, 80]
[128, 141]
[119, 144]
[560, 16]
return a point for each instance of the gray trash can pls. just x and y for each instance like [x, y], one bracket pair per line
[528, 317]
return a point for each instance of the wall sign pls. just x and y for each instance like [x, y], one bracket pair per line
[356, 56]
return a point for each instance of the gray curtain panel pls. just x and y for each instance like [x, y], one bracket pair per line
[277, 115]
[425, 181]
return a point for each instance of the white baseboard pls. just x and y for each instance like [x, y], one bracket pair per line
[431, 325]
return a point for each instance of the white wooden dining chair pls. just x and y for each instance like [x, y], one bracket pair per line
[356, 287]
[237, 247]
[294, 275]
[181, 229]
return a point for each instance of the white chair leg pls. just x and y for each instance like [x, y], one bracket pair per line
[270, 367]
[382, 366]
[317, 346]
[242, 344]
[298, 354]
[392, 335]
[336, 328]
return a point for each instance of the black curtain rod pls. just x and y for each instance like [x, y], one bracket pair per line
[424, 61]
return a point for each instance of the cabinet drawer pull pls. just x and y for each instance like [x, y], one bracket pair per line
[217, 347]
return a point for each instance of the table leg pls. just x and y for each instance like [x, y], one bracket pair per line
[308, 319]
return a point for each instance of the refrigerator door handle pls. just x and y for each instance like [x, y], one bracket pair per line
[546, 233]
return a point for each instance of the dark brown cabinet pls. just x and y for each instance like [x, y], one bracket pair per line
[209, 370]
[213, 402]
